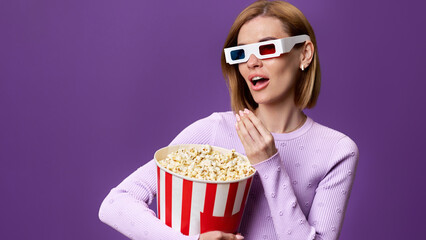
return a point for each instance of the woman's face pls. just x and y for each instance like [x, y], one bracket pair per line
[278, 74]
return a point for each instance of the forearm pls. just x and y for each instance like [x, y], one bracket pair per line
[134, 219]
[323, 216]
[288, 218]
[126, 208]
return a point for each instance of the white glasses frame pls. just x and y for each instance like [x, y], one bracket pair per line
[283, 45]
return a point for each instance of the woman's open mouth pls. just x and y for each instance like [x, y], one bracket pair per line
[259, 83]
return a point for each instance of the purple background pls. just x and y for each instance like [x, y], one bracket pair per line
[89, 89]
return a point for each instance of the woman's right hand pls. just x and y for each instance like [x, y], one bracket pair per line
[218, 235]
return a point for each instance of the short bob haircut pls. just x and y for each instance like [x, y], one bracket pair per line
[295, 23]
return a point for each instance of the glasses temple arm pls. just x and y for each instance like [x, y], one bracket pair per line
[288, 43]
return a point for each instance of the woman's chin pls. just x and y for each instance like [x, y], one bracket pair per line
[261, 101]
[267, 100]
[272, 98]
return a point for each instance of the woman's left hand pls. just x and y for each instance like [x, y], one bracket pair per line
[258, 142]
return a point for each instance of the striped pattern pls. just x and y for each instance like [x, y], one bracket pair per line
[182, 204]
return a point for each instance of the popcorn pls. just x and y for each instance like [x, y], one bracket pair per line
[206, 164]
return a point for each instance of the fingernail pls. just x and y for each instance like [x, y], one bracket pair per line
[241, 113]
[246, 110]
[237, 117]
[239, 237]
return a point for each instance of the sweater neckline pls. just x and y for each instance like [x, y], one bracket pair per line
[296, 133]
[285, 136]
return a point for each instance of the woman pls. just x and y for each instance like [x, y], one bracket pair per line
[305, 170]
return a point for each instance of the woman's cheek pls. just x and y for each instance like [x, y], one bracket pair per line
[243, 70]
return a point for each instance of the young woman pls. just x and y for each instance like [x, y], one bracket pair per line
[305, 170]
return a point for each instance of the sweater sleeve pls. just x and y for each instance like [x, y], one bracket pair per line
[329, 205]
[125, 208]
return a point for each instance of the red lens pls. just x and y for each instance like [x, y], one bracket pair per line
[267, 49]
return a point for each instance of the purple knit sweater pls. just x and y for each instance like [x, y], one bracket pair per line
[299, 193]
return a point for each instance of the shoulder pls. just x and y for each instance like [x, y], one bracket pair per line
[214, 119]
[341, 146]
[326, 134]
[202, 131]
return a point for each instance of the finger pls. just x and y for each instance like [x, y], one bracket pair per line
[239, 236]
[245, 138]
[243, 133]
[259, 125]
[251, 128]
[230, 236]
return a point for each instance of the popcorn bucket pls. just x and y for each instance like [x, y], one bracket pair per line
[193, 206]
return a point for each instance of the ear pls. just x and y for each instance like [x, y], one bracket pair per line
[306, 54]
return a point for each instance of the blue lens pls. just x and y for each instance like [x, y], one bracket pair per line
[237, 54]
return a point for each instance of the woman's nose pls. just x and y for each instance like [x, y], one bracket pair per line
[253, 62]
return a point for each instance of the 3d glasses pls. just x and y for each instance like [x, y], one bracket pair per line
[263, 50]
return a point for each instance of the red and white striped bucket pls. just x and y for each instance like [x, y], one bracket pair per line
[194, 206]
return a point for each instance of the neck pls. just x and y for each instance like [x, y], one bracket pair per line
[280, 118]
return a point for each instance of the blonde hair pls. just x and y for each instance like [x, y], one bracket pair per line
[295, 23]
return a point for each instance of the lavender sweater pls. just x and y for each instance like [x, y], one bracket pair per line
[299, 193]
